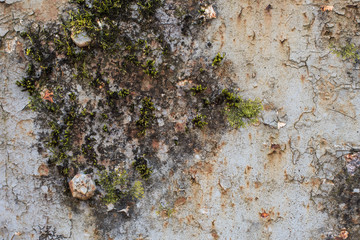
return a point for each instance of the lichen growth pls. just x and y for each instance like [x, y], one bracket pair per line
[141, 166]
[165, 211]
[199, 121]
[240, 112]
[146, 116]
[347, 52]
[198, 89]
[218, 59]
[116, 186]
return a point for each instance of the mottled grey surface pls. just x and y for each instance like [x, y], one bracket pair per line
[281, 56]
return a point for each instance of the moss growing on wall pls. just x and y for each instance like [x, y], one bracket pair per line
[94, 100]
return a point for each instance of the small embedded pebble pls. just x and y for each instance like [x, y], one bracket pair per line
[82, 186]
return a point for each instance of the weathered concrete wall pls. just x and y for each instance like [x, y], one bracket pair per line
[267, 181]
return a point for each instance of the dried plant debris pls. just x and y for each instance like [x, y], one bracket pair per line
[105, 83]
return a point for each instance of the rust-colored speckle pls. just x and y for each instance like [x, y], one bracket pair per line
[344, 234]
[325, 8]
[269, 106]
[247, 170]
[155, 144]
[302, 79]
[47, 95]
[20, 50]
[180, 201]
[43, 170]
[286, 176]
[257, 184]
[166, 224]
[189, 218]
[180, 127]
[275, 146]
[214, 233]
[264, 214]
[201, 168]
[171, 173]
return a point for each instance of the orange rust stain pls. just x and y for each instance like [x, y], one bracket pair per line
[326, 8]
[180, 201]
[166, 224]
[214, 234]
[286, 176]
[180, 127]
[189, 218]
[269, 106]
[213, 231]
[249, 199]
[146, 85]
[222, 29]
[264, 214]
[24, 126]
[305, 16]
[171, 173]
[302, 79]
[313, 182]
[211, 191]
[257, 184]
[275, 146]
[155, 144]
[276, 160]
[323, 142]
[268, 216]
[250, 137]
[47, 95]
[201, 168]
[43, 170]
[225, 162]
[224, 199]
[20, 50]
[247, 170]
